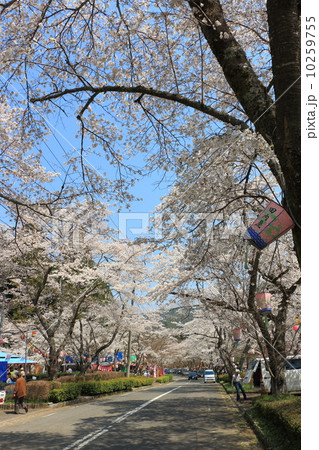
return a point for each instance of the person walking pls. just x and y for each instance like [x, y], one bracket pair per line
[236, 381]
[20, 391]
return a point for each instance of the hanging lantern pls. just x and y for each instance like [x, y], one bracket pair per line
[295, 327]
[232, 359]
[34, 332]
[297, 321]
[271, 223]
[22, 336]
[237, 335]
[264, 304]
[251, 351]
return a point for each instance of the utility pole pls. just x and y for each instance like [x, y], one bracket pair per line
[25, 354]
[128, 366]
[129, 344]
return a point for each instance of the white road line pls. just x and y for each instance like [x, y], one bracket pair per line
[48, 415]
[97, 433]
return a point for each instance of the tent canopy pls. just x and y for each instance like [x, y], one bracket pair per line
[14, 359]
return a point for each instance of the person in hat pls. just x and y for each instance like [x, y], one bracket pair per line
[21, 370]
[236, 381]
[20, 391]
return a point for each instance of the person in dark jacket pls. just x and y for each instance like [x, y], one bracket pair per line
[20, 391]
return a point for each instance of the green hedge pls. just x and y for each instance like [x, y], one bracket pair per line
[165, 378]
[106, 386]
[70, 391]
[38, 376]
[284, 410]
[223, 378]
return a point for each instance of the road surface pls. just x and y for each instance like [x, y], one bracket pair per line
[184, 414]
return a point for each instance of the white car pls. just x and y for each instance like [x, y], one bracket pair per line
[209, 376]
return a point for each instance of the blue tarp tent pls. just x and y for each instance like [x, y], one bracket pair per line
[3, 371]
[7, 358]
[14, 359]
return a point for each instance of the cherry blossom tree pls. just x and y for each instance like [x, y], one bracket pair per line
[203, 253]
[204, 80]
[75, 283]
[134, 73]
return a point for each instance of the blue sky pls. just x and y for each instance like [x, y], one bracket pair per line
[150, 188]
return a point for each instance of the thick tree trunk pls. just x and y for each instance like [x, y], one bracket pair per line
[53, 363]
[277, 367]
[278, 122]
[284, 33]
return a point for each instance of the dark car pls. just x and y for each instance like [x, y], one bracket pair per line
[200, 373]
[192, 376]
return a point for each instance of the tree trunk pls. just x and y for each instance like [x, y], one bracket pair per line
[53, 362]
[278, 122]
[284, 33]
[277, 367]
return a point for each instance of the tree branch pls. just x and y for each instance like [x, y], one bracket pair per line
[199, 106]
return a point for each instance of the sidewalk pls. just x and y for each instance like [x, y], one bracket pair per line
[243, 406]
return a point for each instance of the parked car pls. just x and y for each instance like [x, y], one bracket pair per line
[200, 373]
[257, 372]
[209, 376]
[192, 375]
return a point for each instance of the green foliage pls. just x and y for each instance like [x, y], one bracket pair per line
[107, 386]
[39, 376]
[56, 384]
[68, 391]
[142, 381]
[231, 389]
[164, 378]
[223, 378]
[95, 388]
[283, 411]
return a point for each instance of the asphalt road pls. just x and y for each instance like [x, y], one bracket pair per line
[179, 415]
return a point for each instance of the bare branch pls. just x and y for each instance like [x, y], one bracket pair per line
[199, 106]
